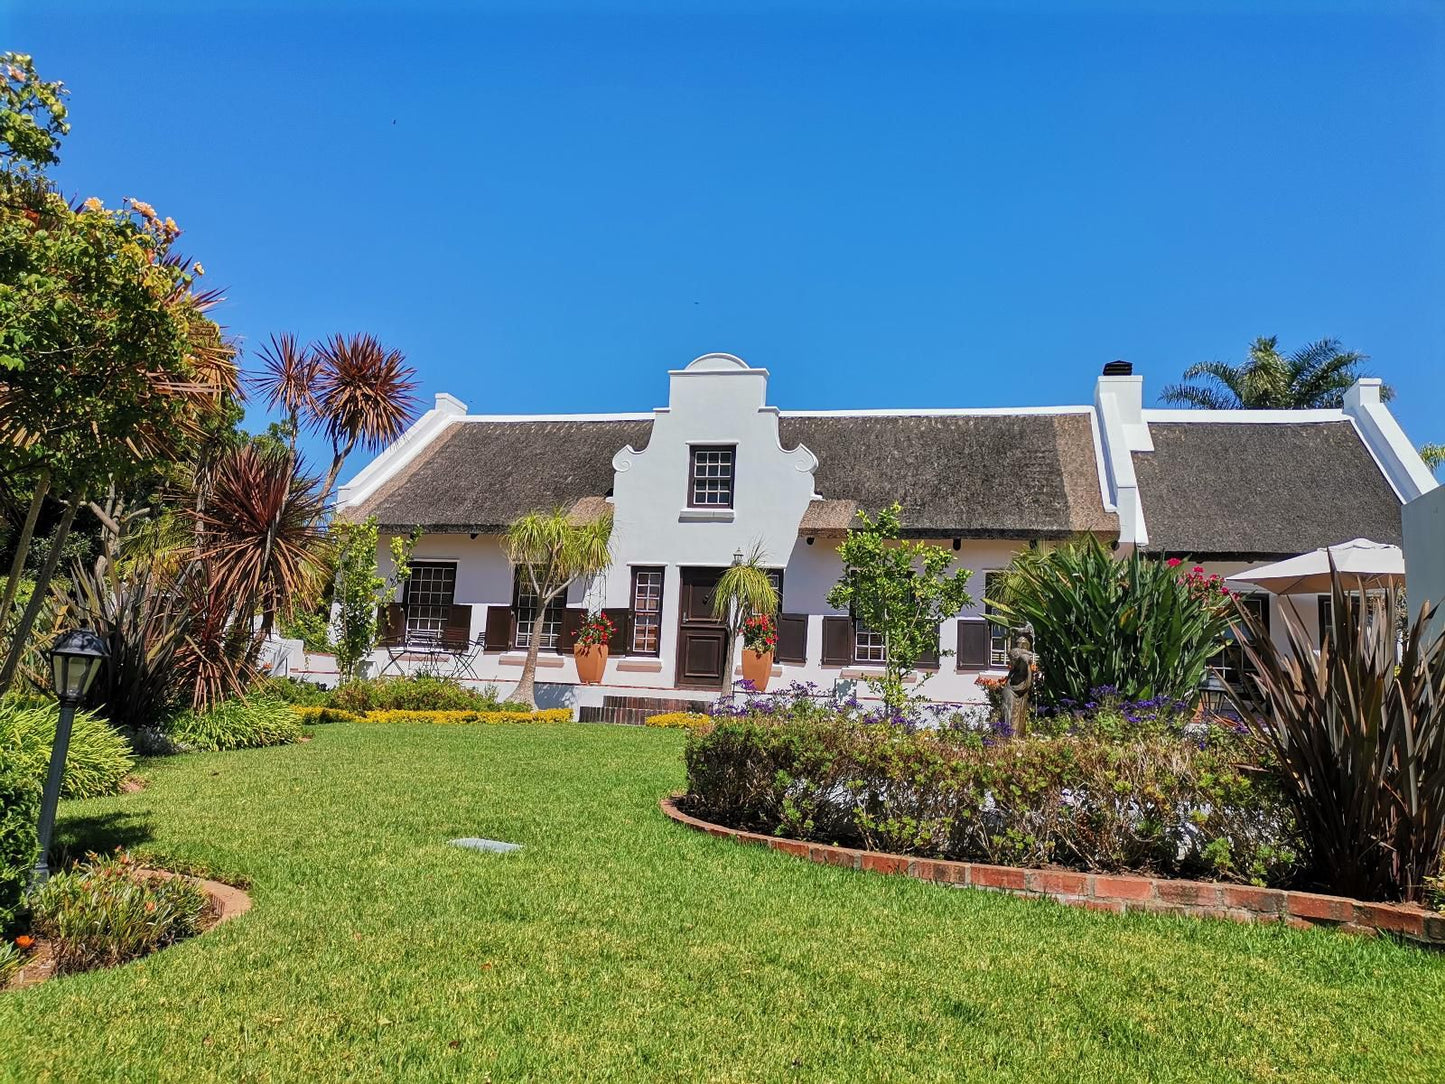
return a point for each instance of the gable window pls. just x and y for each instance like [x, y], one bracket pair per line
[548, 626]
[430, 591]
[710, 476]
[646, 611]
[998, 644]
[868, 645]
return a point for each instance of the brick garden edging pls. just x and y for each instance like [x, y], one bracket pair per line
[1114, 892]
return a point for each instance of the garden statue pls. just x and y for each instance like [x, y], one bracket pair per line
[1018, 689]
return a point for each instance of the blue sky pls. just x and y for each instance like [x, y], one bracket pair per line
[545, 207]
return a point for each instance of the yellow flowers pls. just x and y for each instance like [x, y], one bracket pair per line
[680, 720]
[336, 715]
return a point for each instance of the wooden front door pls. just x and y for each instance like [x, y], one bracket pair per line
[701, 641]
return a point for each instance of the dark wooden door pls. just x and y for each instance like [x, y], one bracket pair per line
[701, 640]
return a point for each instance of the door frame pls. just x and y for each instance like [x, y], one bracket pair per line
[679, 681]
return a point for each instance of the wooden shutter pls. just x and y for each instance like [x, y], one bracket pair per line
[498, 636]
[837, 641]
[792, 638]
[618, 643]
[458, 633]
[929, 659]
[571, 625]
[972, 644]
[391, 623]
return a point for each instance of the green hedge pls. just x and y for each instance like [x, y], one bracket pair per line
[237, 724]
[98, 760]
[1167, 805]
[19, 815]
[420, 693]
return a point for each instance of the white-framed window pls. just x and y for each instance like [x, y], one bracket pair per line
[430, 590]
[998, 644]
[646, 611]
[868, 645]
[710, 476]
[550, 625]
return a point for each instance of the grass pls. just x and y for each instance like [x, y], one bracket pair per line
[619, 946]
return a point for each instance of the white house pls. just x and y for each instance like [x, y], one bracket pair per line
[718, 470]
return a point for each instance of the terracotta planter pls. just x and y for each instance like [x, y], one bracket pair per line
[757, 668]
[591, 662]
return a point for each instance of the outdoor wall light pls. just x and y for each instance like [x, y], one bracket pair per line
[958, 543]
[809, 540]
[74, 661]
[737, 557]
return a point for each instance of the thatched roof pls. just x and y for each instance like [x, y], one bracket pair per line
[481, 475]
[965, 475]
[1261, 490]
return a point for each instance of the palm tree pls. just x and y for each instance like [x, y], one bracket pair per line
[1316, 376]
[364, 394]
[286, 381]
[744, 589]
[552, 549]
[1433, 455]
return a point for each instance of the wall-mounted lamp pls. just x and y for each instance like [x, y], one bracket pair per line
[473, 536]
[958, 543]
[809, 540]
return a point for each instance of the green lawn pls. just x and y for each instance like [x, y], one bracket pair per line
[619, 946]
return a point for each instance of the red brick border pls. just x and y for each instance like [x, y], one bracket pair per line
[1115, 892]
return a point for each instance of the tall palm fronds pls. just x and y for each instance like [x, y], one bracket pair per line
[1317, 375]
[365, 394]
[289, 371]
[258, 534]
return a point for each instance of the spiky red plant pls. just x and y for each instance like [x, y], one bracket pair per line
[287, 380]
[364, 393]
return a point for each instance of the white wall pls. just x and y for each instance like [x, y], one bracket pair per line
[1424, 521]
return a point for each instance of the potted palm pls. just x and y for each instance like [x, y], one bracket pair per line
[590, 650]
[760, 640]
[745, 591]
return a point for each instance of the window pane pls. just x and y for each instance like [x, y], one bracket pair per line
[646, 611]
[712, 477]
[998, 644]
[527, 623]
[867, 645]
[429, 595]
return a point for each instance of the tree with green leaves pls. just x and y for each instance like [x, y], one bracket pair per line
[1433, 455]
[901, 590]
[109, 363]
[743, 590]
[550, 550]
[361, 590]
[1317, 375]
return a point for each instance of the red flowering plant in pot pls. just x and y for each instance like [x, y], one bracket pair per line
[590, 650]
[760, 640]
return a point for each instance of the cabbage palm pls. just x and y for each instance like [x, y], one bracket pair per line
[744, 589]
[363, 394]
[551, 549]
[1316, 376]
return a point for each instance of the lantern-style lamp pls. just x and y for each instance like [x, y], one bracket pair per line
[74, 661]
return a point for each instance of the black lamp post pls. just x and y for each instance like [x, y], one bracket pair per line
[74, 661]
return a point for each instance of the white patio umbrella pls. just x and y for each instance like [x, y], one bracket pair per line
[1362, 563]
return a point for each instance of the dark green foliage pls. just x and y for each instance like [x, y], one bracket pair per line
[1164, 804]
[293, 691]
[1359, 729]
[237, 724]
[98, 758]
[312, 629]
[107, 912]
[19, 814]
[1142, 627]
[418, 693]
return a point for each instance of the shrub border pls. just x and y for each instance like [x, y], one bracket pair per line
[1112, 892]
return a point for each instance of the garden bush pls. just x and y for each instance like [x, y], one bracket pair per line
[19, 814]
[682, 720]
[1183, 804]
[293, 691]
[106, 912]
[99, 758]
[236, 724]
[10, 961]
[311, 714]
[543, 715]
[417, 693]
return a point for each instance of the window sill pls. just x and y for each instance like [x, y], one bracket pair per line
[640, 666]
[544, 662]
[705, 515]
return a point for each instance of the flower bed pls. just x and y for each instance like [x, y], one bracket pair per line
[545, 715]
[678, 720]
[1112, 892]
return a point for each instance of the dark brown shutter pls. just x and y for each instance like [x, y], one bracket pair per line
[792, 638]
[498, 636]
[391, 623]
[458, 633]
[972, 644]
[929, 659]
[837, 641]
[617, 644]
[571, 625]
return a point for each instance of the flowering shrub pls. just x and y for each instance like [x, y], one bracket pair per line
[547, 715]
[310, 714]
[760, 634]
[596, 629]
[106, 912]
[683, 720]
[421, 692]
[1153, 804]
